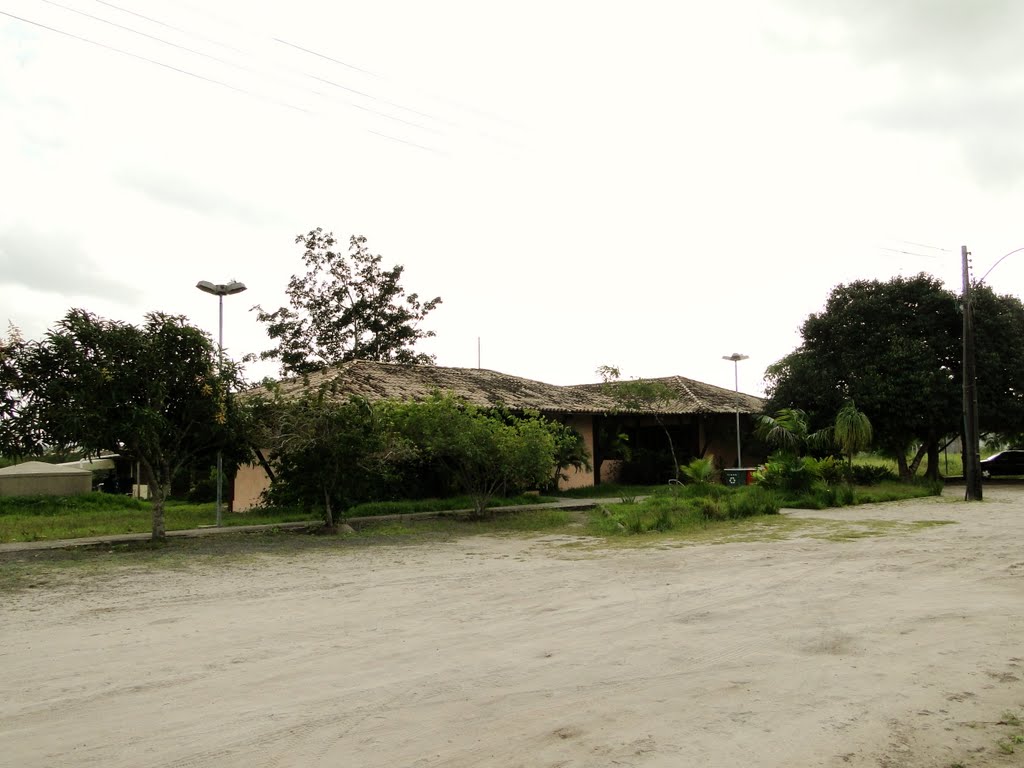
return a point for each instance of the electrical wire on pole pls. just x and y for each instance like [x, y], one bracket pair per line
[971, 446]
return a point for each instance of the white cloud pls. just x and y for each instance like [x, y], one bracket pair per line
[652, 188]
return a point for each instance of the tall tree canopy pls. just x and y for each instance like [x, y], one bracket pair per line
[894, 347]
[344, 307]
[328, 454]
[488, 451]
[149, 392]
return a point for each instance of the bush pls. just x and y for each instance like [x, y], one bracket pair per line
[59, 505]
[786, 472]
[711, 508]
[871, 474]
[831, 471]
[205, 490]
[699, 471]
[752, 501]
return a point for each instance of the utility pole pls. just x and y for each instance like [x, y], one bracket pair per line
[971, 447]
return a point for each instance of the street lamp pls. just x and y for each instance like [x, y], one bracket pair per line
[735, 357]
[220, 290]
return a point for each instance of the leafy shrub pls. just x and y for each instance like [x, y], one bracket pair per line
[871, 474]
[59, 505]
[205, 490]
[664, 521]
[846, 495]
[699, 471]
[712, 491]
[752, 501]
[635, 522]
[786, 472]
[711, 508]
[831, 471]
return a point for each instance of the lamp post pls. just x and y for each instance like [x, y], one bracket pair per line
[220, 290]
[735, 357]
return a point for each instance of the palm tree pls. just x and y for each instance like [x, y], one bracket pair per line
[852, 431]
[788, 431]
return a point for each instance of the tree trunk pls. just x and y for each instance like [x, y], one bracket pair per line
[159, 533]
[915, 464]
[328, 512]
[265, 464]
[933, 459]
[904, 470]
[671, 448]
[161, 482]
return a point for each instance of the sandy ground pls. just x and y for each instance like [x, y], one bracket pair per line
[899, 650]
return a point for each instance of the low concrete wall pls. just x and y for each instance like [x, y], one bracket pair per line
[46, 485]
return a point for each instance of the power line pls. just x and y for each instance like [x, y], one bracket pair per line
[483, 113]
[142, 58]
[169, 26]
[144, 34]
[310, 51]
[195, 75]
[367, 109]
[909, 253]
[245, 68]
[925, 245]
[410, 143]
[205, 78]
[263, 71]
[324, 56]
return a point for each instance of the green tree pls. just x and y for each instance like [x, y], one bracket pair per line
[570, 452]
[150, 392]
[851, 432]
[10, 376]
[326, 454]
[345, 307]
[789, 431]
[487, 451]
[895, 348]
[641, 396]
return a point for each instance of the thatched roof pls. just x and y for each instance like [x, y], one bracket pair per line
[697, 397]
[394, 381]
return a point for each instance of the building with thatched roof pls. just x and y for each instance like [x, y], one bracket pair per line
[700, 417]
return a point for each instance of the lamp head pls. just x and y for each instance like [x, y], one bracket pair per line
[220, 289]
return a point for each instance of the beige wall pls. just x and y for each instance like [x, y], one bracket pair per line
[611, 470]
[250, 483]
[46, 485]
[580, 479]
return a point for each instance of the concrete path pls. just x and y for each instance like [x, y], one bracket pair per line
[121, 538]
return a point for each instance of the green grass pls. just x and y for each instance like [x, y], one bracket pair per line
[33, 518]
[665, 522]
[611, 491]
[407, 507]
[695, 512]
[37, 518]
[41, 518]
[843, 496]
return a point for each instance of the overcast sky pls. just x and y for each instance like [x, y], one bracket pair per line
[650, 184]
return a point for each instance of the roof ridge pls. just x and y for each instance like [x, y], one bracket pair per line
[684, 382]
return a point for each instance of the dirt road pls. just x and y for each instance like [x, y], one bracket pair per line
[819, 649]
